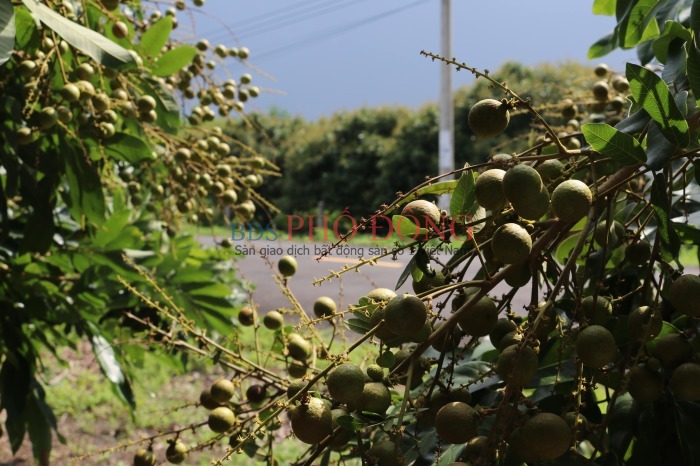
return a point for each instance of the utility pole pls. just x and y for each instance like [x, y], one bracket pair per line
[446, 158]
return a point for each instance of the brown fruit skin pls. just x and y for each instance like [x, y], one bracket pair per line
[256, 393]
[645, 385]
[672, 350]
[515, 367]
[542, 437]
[246, 316]
[488, 118]
[405, 315]
[683, 294]
[207, 401]
[456, 422]
[311, 422]
[685, 382]
[595, 346]
[600, 90]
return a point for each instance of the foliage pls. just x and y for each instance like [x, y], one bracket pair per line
[605, 348]
[98, 171]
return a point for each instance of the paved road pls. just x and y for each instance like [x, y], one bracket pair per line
[259, 264]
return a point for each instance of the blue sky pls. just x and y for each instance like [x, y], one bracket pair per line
[315, 70]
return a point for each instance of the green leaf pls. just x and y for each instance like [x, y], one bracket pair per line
[619, 146]
[565, 248]
[674, 73]
[655, 97]
[672, 30]
[174, 60]
[603, 46]
[693, 69]
[442, 187]
[94, 45]
[357, 325]
[166, 106]
[110, 365]
[696, 164]
[128, 148]
[25, 29]
[633, 27]
[405, 227]
[7, 30]
[156, 36]
[670, 243]
[39, 430]
[14, 385]
[85, 188]
[659, 150]
[406, 272]
[463, 203]
[695, 20]
[350, 423]
[604, 7]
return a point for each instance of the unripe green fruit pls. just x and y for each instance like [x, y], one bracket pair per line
[375, 372]
[273, 320]
[502, 328]
[685, 382]
[149, 117]
[297, 370]
[422, 213]
[449, 340]
[683, 295]
[568, 109]
[120, 30]
[384, 333]
[597, 310]
[47, 117]
[645, 385]
[383, 453]
[299, 348]
[246, 78]
[27, 68]
[595, 346]
[621, 84]
[481, 318]
[456, 422]
[545, 436]
[672, 350]
[375, 398]
[638, 253]
[346, 383]
[474, 449]
[344, 435]
[287, 266]
[243, 53]
[229, 197]
[601, 70]
[488, 118]
[106, 130]
[578, 424]
[24, 136]
[206, 400]
[532, 209]
[222, 390]
[144, 457]
[520, 275]
[221, 419]
[256, 393]
[295, 387]
[100, 102]
[146, 103]
[489, 189]
[428, 282]
[511, 244]
[110, 5]
[600, 90]
[571, 200]
[64, 114]
[612, 236]
[246, 316]
[311, 422]
[176, 452]
[386, 359]
[523, 184]
[324, 307]
[517, 367]
[644, 324]
[405, 315]
[85, 71]
[70, 93]
[381, 294]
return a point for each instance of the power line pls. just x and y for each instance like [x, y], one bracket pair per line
[336, 31]
[262, 18]
[249, 32]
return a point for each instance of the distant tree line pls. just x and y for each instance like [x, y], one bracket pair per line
[361, 158]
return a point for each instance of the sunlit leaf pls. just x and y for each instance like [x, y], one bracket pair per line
[7, 30]
[615, 144]
[174, 60]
